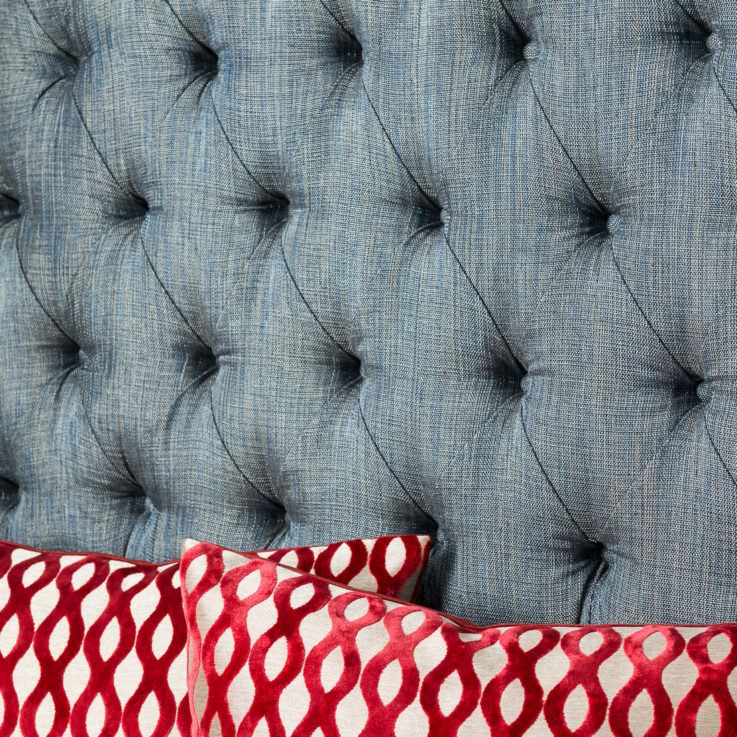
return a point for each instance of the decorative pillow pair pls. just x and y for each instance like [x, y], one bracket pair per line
[311, 641]
[276, 651]
[95, 645]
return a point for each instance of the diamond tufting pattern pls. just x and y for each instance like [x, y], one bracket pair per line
[280, 267]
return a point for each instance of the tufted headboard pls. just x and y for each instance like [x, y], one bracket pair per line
[281, 272]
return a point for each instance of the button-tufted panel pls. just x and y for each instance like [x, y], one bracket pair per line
[282, 271]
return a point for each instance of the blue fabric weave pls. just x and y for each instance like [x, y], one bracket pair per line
[280, 272]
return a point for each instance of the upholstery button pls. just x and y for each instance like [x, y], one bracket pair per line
[431, 213]
[205, 360]
[9, 206]
[713, 42]
[613, 223]
[354, 55]
[351, 369]
[136, 207]
[530, 51]
[8, 489]
[206, 61]
[277, 205]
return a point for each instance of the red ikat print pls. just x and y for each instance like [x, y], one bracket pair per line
[281, 653]
[92, 645]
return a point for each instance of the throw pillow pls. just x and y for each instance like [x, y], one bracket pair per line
[281, 652]
[92, 644]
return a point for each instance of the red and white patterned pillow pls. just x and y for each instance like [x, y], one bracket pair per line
[96, 645]
[285, 653]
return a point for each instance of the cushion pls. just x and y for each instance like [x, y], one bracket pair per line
[93, 644]
[282, 652]
[276, 269]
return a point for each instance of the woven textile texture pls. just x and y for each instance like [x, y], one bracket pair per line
[283, 652]
[285, 272]
[93, 645]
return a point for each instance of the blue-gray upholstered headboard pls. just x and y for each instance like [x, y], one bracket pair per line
[278, 272]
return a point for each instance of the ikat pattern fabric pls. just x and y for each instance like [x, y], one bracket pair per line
[280, 652]
[92, 645]
[272, 270]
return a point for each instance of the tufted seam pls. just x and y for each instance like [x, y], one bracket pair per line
[517, 27]
[275, 195]
[653, 460]
[337, 20]
[410, 496]
[96, 147]
[67, 296]
[657, 115]
[443, 470]
[686, 372]
[35, 296]
[207, 73]
[45, 90]
[625, 498]
[426, 227]
[309, 308]
[131, 479]
[63, 375]
[595, 608]
[81, 268]
[341, 81]
[64, 51]
[316, 417]
[593, 584]
[167, 293]
[517, 362]
[128, 469]
[123, 191]
[292, 449]
[476, 121]
[547, 478]
[551, 282]
[346, 388]
[622, 171]
[271, 543]
[723, 89]
[433, 205]
[186, 29]
[257, 489]
[548, 287]
[267, 234]
[690, 15]
[716, 450]
[151, 517]
[602, 208]
[149, 431]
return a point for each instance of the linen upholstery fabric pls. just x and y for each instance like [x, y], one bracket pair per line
[275, 268]
[281, 652]
[93, 645]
